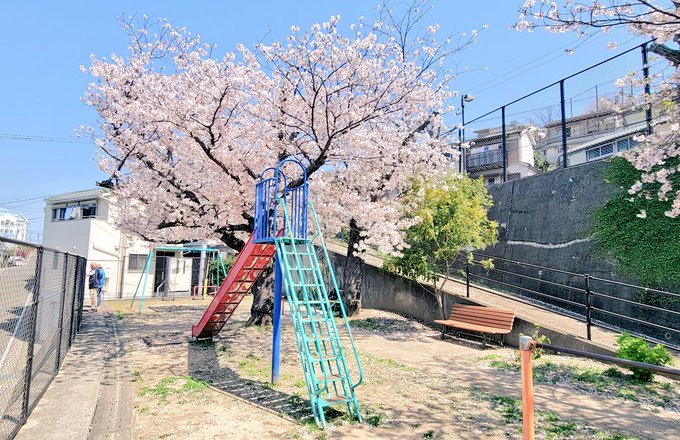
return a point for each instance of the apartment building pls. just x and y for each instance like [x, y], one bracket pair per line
[13, 226]
[592, 136]
[485, 155]
[82, 223]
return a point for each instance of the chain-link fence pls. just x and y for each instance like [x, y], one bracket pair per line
[41, 298]
[587, 116]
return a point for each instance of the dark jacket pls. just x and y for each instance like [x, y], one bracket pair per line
[94, 280]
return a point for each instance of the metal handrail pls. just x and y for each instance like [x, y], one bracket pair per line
[288, 228]
[337, 290]
[334, 282]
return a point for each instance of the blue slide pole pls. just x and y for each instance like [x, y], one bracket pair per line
[276, 334]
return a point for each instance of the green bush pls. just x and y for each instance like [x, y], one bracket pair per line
[636, 349]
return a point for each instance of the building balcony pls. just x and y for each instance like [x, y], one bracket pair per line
[484, 160]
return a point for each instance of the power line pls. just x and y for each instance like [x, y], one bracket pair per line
[524, 68]
[36, 138]
[13, 202]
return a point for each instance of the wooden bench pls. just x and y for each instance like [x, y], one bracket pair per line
[484, 320]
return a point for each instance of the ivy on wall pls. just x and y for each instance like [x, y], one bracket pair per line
[647, 249]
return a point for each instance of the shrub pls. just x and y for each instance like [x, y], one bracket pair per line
[636, 349]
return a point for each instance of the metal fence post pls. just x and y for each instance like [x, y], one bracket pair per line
[467, 277]
[589, 300]
[62, 305]
[31, 342]
[564, 125]
[648, 89]
[526, 345]
[81, 292]
[76, 271]
[504, 146]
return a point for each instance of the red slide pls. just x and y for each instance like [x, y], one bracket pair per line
[247, 268]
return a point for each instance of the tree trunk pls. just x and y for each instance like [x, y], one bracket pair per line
[262, 310]
[353, 273]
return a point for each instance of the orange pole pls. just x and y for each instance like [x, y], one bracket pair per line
[526, 345]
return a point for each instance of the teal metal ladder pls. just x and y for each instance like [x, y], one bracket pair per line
[316, 331]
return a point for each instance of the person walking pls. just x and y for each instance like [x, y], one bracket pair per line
[101, 276]
[93, 284]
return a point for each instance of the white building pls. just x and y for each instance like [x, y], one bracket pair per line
[13, 226]
[485, 156]
[592, 136]
[82, 223]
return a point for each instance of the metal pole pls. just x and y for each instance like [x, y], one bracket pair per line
[467, 277]
[589, 299]
[461, 134]
[526, 345]
[564, 126]
[62, 305]
[276, 320]
[147, 267]
[31, 342]
[648, 90]
[505, 147]
[81, 293]
[614, 360]
[201, 273]
[76, 271]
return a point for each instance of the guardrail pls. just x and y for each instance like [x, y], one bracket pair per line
[644, 311]
[527, 344]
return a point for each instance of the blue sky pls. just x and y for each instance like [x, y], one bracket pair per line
[42, 45]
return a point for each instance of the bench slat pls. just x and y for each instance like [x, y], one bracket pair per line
[478, 318]
[477, 328]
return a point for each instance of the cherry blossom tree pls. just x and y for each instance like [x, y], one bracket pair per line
[658, 154]
[184, 134]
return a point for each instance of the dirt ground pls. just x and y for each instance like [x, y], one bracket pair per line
[416, 386]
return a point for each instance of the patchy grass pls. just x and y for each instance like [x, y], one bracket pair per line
[373, 417]
[608, 382]
[368, 359]
[428, 435]
[137, 376]
[224, 350]
[549, 425]
[253, 366]
[178, 385]
[509, 408]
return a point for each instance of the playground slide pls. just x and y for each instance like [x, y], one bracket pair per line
[247, 268]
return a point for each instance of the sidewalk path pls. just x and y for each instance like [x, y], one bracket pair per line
[84, 400]
[571, 327]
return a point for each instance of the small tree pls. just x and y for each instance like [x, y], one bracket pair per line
[451, 215]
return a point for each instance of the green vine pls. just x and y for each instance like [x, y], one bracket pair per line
[646, 249]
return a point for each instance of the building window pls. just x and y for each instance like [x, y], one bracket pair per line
[625, 144]
[55, 261]
[490, 180]
[136, 262]
[514, 176]
[72, 212]
[568, 130]
[599, 152]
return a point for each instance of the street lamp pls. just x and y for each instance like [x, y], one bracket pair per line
[461, 131]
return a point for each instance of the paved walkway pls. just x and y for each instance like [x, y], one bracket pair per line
[80, 404]
[559, 324]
